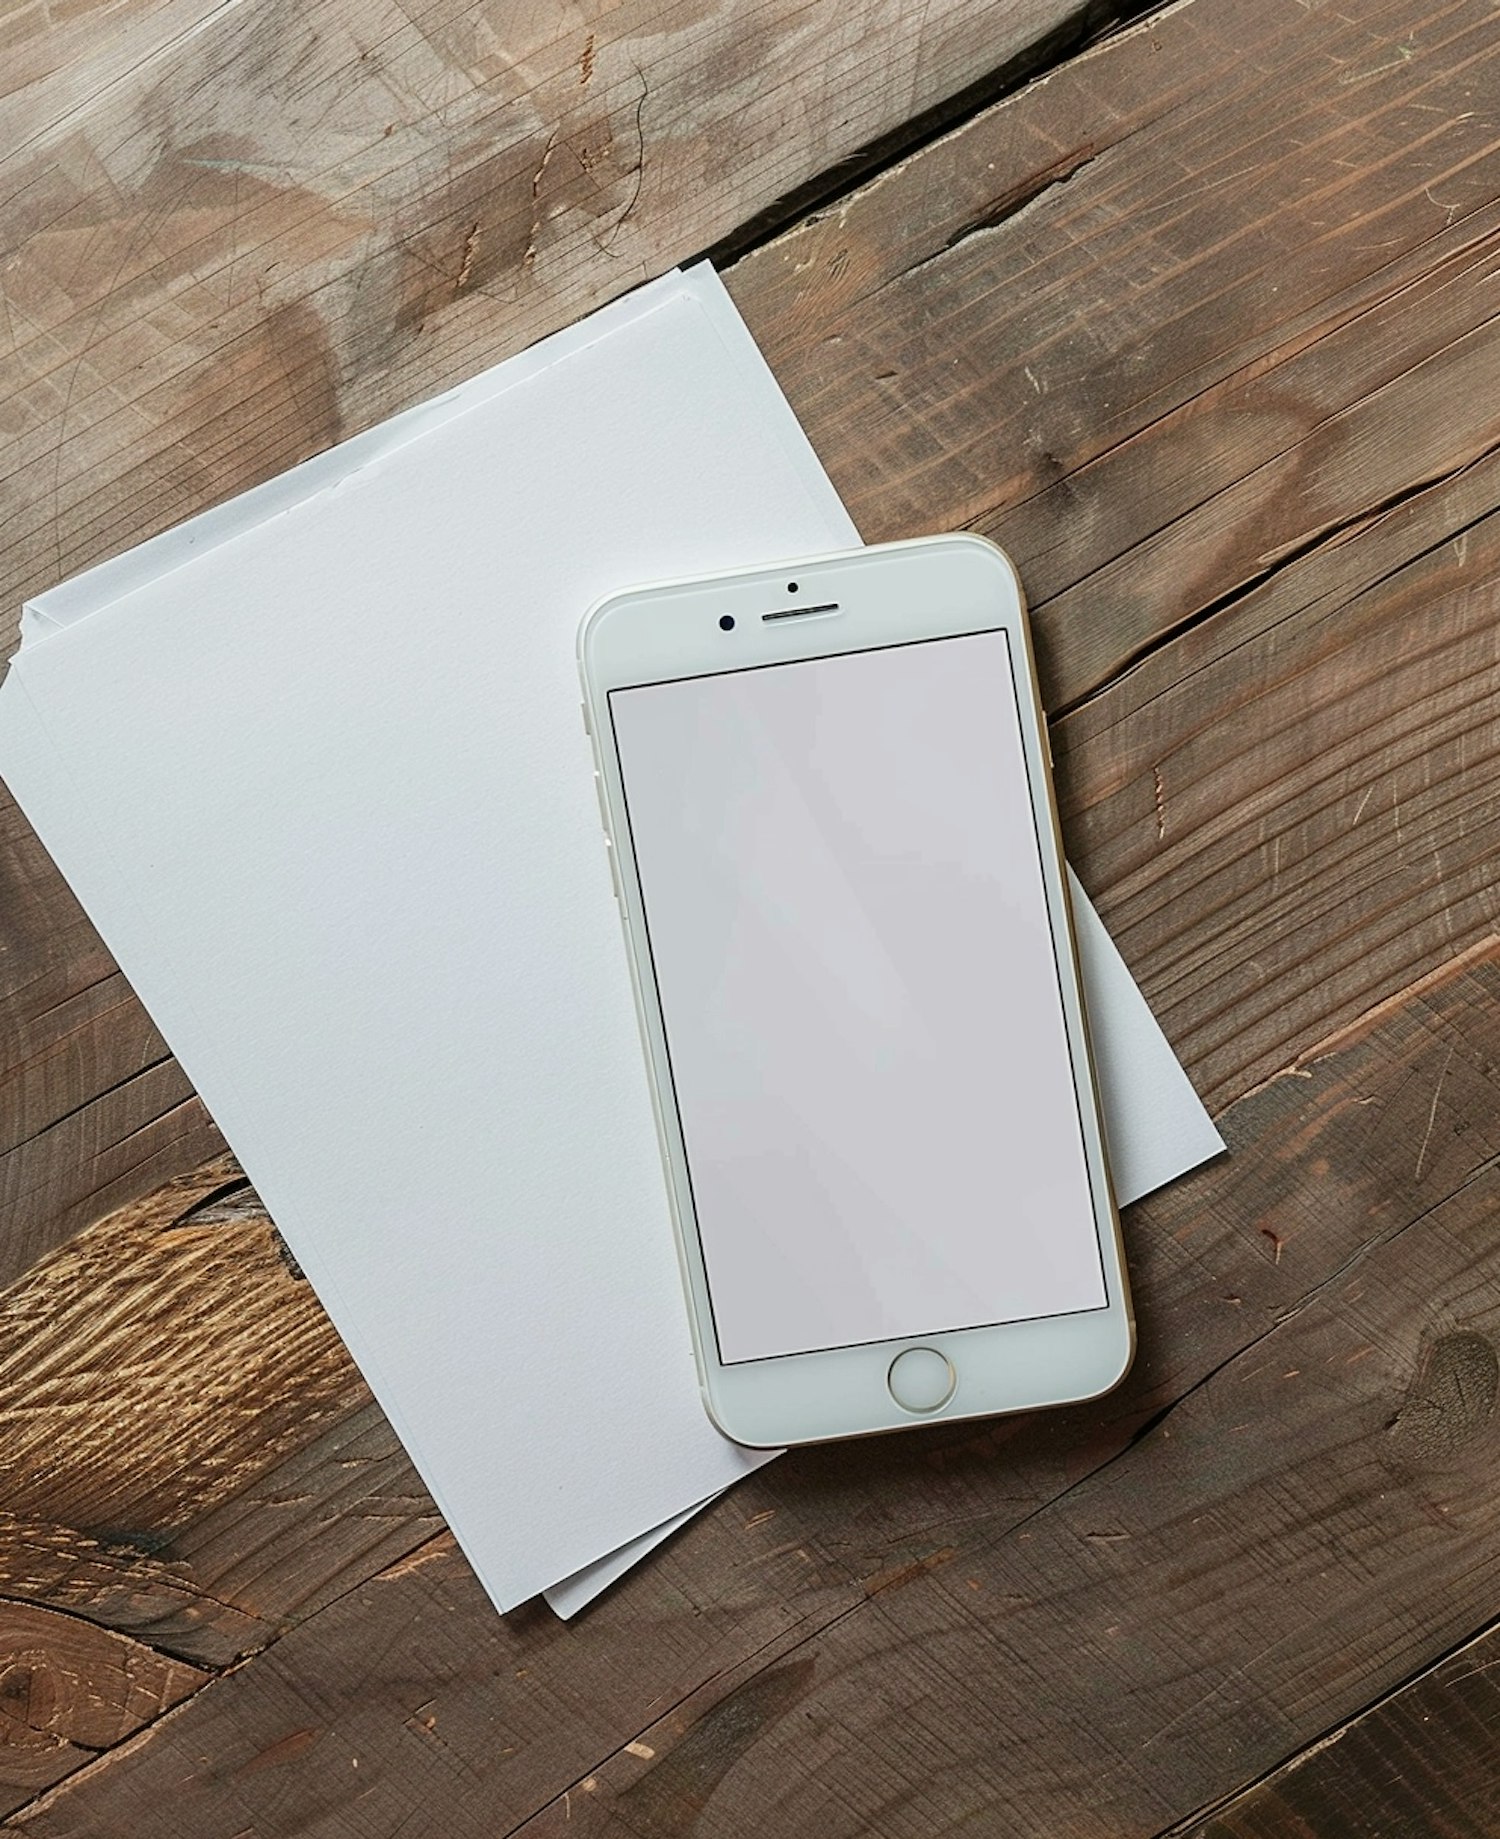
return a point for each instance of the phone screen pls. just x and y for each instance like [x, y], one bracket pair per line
[849, 933]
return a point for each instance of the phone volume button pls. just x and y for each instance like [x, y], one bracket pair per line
[614, 873]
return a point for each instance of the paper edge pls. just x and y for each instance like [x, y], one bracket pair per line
[571, 1594]
[1204, 1141]
[143, 564]
[739, 342]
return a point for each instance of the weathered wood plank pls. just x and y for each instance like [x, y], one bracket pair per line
[832, 1609]
[69, 1690]
[1426, 1760]
[61, 55]
[294, 219]
[1316, 775]
[1165, 318]
[189, 1454]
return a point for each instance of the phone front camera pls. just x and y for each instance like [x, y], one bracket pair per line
[791, 587]
[726, 622]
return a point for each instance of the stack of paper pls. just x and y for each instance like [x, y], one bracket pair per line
[315, 767]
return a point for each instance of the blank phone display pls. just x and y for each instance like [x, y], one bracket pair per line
[849, 932]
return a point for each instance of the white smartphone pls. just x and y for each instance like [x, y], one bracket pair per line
[827, 800]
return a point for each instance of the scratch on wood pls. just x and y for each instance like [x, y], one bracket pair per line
[1437, 1092]
[1161, 804]
[586, 62]
[466, 266]
[1403, 54]
[286, 1749]
[902, 1575]
[529, 258]
[1352, 1033]
[439, 1547]
[1277, 1243]
[640, 164]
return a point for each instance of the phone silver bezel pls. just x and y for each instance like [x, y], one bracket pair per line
[885, 594]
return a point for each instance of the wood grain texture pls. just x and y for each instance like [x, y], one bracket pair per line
[1057, 1624]
[189, 1455]
[1316, 773]
[62, 55]
[69, 1690]
[1425, 1761]
[296, 218]
[1162, 321]
[238, 233]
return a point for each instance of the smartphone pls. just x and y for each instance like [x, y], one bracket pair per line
[828, 806]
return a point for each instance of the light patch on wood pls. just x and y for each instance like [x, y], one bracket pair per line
[1437, 1092]
[443, 1546]
[466, 265]
[1482, 951]
[153, 1363]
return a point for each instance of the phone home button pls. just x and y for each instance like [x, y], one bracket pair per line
[921, 1379]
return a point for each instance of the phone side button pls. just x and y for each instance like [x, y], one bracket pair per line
[921, 1379]
[614, 873]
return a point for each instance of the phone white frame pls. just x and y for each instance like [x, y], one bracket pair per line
[894, 593]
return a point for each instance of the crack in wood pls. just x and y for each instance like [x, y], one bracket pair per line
[83, 989]
[1195, 1822]
[1093, 22]
[1007, 210]
[1317, 542]
[96, 1098]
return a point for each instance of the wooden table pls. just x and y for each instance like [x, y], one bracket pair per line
[1198, 316]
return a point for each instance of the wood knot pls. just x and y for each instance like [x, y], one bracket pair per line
[1451, 1397]
[28, 1704]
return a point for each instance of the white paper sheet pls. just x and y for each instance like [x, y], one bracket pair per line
[314, 766]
